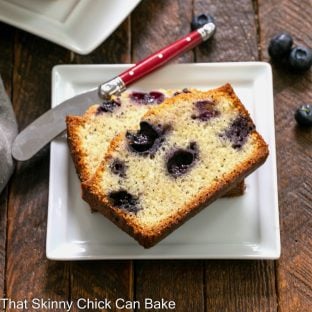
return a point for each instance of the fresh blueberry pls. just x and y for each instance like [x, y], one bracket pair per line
[303, 115]
[153, 97]
[300, 59]
[200, 20]
[181, 160]
[118, 167]
[124, 200]
[107, 106]
[146, 140]
[280, 46]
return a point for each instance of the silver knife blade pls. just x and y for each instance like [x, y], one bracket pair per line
[49, 125]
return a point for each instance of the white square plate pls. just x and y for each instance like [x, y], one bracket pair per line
[79, 25]
[246, 227]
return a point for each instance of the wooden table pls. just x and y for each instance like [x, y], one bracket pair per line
[244, 30]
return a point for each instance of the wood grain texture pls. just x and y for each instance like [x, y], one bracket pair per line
[29, 273]
[3, 228]
[6, 55]
[104, 279]
[6, 68]
[100, 280]
[236, 35]
[157, 23]
[240, 286]
[294, 154]
[179, 281]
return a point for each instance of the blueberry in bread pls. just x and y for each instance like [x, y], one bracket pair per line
[184, 154]
[89, 135]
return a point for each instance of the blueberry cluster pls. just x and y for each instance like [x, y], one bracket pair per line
[281, 50]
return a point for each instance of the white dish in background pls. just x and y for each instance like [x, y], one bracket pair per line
[246, 227]
[79, 25]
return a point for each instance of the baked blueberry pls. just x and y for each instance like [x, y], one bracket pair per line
[181, 160]
[200, 20]
[193, 146]
[147, 139]
[108, 106]
[118, 167]
[153, 97]
[280, 45]
[300, 59]
[185, 90]
[124, 200]
[238, 131]
[157, 97]
[205, 110]
[303, 115]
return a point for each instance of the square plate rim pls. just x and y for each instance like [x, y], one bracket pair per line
[70, 42]
[272, 253]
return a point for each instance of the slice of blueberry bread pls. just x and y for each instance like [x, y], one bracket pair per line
[89, 135]
[184, 154]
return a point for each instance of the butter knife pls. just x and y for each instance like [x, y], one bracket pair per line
[49, 125]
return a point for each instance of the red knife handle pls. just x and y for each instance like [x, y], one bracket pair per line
[154, 61]
[160, 57]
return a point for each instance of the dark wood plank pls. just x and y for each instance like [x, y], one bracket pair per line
[3, 227]
[101, 280]
[105, 279]
[236, 35]
[6, 56]
[240, 286]
[29, 273]
[294, 155]
[235, 285]
[157, 23]
[178, 281]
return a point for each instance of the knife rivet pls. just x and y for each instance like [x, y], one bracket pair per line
[160, 55]
[131, 73]
[188, 39]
